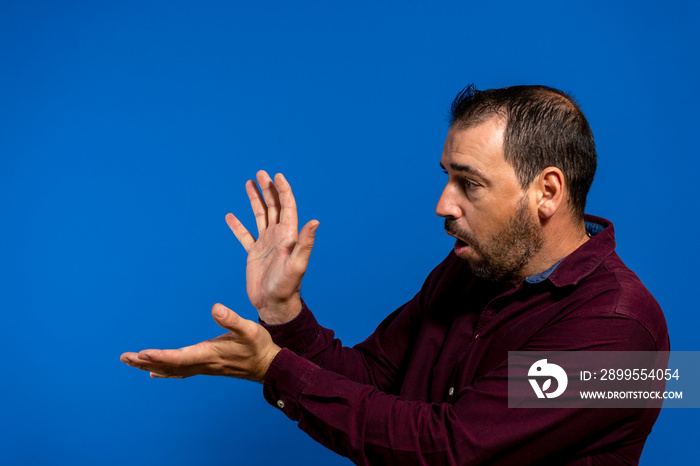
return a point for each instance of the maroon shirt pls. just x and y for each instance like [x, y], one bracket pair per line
[430, 385]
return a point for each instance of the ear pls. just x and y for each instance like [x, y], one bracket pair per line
[550, 191]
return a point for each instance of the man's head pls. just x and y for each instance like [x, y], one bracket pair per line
[544, 127]
[512, 156]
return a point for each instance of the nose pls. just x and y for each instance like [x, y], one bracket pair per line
[446, 206]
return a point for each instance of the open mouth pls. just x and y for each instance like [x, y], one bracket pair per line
[460, 246]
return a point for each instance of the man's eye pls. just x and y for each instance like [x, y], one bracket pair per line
[468, 184]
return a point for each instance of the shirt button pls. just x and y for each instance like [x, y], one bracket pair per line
[280, 404]
[451, 391]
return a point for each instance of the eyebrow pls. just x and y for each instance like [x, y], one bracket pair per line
[465, 169]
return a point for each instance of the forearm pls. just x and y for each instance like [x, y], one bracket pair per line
[371, 427]
[471, 425]
[305, 337]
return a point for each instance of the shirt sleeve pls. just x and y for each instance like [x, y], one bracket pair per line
[379, 359]
[369, 426]
[306, 338]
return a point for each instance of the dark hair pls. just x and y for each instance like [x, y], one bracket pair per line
[544, 128]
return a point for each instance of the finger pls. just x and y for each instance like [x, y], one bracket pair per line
[182, 357]
[229, 320]
[155, 375]
[288, 213]
[271, 195]
[149, 366]
[133, 360]
[257, 204]
[127, 357]
[225, 317]
[242, 234]
[301, 253]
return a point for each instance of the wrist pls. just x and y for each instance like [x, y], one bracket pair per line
[266, 362]
[281, 313]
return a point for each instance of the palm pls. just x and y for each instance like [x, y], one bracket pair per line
[268, 271]
[278, 258]
[245, 352]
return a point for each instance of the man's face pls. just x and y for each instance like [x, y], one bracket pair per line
[484, 206]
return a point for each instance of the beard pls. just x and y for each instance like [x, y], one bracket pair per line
[505, 254]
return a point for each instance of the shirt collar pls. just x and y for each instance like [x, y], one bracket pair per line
[580, 263]
[542, 276]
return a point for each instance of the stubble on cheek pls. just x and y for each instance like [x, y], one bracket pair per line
[505, 254]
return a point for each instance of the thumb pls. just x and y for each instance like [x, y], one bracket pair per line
[302, 251]
[226, 318]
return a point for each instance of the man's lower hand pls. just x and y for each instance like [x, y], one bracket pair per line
[245, 352]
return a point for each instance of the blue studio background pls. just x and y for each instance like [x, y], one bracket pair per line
[127, 132]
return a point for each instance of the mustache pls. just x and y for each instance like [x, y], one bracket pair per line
[452, 228]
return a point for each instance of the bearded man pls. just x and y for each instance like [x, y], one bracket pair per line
[528, 272]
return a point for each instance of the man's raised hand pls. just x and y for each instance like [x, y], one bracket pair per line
[278, 258]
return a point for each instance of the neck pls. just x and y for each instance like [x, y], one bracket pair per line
[558, 242]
